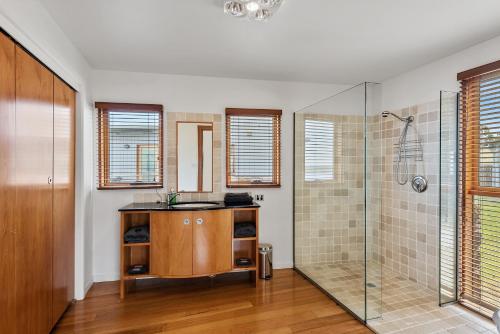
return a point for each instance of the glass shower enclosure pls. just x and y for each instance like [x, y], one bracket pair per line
[337, 197]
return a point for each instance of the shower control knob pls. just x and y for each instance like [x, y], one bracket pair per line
[419, 184]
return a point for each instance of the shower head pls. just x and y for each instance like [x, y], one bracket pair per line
[408, 119]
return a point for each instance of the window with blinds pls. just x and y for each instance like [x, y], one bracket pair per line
[479, 214]
[253, 148]
[130, 145]
[319, 150]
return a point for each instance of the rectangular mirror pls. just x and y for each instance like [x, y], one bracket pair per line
[194, 156]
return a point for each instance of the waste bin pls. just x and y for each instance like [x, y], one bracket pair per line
[265, 261]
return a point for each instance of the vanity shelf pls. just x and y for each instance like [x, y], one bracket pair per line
[137, 244]
[134, 253]
[245, 239]
[246, 247]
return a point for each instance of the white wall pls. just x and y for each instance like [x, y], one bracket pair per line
[204, 95]
[30, 24]
[424, 83]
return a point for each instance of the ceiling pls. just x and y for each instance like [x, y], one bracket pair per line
[331, 41]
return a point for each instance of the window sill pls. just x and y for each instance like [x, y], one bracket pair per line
[253, 186]
[150, 186]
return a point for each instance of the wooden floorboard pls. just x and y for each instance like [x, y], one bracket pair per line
[229, 304]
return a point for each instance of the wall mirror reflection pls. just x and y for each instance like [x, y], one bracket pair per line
[194, 157]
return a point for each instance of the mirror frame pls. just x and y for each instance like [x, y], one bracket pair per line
[202, 123]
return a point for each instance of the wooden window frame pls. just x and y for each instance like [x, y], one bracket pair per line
[471, 137]
[470, 186]
[103, 144]
[276, 176]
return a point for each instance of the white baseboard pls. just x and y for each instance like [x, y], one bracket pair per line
[283, 265]
[88, 285]
[106, 277]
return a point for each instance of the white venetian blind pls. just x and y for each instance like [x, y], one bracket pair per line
[319, 148]
[129, 140]
[253, 147]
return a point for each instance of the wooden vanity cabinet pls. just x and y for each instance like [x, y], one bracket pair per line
[186, 244]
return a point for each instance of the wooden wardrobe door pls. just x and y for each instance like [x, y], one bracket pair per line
[34, 159]
[7, 183]
[64, 199]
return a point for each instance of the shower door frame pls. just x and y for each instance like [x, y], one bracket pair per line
[457, 204]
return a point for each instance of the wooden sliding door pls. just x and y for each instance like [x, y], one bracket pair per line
[33, 217]
[7, 182]
[64, 198]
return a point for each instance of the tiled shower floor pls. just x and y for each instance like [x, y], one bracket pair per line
[401, 306]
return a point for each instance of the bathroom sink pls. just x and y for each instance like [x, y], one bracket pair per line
[194, 205]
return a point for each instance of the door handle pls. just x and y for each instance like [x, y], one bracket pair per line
[187, 221]
[199, 221]
[50, 180]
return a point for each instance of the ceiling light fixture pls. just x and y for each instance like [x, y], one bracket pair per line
[257, 10]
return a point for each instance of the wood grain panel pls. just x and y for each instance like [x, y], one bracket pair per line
[64, 199]
[212, 252]
[7, 183]
[171, 244]
[286, 304]
[34, 157]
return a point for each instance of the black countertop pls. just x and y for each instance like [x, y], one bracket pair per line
[164, 207]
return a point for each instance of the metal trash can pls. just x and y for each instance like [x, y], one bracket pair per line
[265, 261]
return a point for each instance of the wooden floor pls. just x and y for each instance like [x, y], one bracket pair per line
[231, 304]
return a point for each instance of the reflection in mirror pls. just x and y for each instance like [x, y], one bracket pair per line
[194, 157]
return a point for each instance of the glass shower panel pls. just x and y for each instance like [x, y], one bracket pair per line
[448, 227]
[332, 240]
[374, 176]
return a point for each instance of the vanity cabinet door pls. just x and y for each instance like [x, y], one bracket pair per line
[212, 242]
[172, 243]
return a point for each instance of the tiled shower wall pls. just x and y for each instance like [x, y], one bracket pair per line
[329, 225]
[409, 224]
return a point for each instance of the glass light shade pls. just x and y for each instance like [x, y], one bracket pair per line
[234, 8]
[257, 10]
[252, 6]
[260, 15]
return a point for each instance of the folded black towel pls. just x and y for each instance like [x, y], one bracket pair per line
[137, 269]
[238, 199]
[137, 234]
[244, 230]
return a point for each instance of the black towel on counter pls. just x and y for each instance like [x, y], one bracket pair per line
[244, 230]
[137, 234]
[238, 199]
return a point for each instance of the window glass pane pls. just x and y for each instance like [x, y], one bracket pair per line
[253, 150]
[489, 115]
[318, 150]
[129, 147]
[147, 156]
